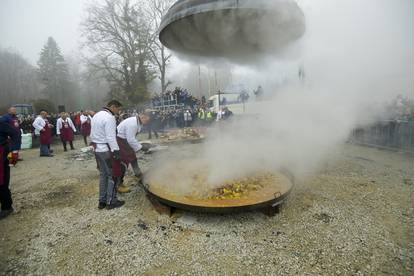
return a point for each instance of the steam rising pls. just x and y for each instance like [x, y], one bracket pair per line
[356, 54]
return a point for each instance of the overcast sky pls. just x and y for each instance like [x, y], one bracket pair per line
[25, 25]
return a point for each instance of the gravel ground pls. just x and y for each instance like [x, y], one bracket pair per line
[354, 218]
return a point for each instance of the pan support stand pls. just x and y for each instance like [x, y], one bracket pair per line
[270, 210]
[161, 209]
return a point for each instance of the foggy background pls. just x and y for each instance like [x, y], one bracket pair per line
[25, 25]
[376, 34]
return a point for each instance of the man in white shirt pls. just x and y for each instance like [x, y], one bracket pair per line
[129, 146]
[103, 136]
[188, 118]
[44, 129]
[220, 114]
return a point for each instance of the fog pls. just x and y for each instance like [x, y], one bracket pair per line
[25, 25]
[356, 54]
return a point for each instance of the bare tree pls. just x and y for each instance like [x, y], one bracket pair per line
[119, 39]
[156, 10]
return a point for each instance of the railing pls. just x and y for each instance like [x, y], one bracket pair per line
[397, 135]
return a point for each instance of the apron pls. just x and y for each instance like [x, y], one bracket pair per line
[15, 124]
[3, 153]
[127, 153]
[46, 136]
[66, 132]
[86, 128]
[116, 168]
[115, 164]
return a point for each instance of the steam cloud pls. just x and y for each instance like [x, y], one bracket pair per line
[356, 54]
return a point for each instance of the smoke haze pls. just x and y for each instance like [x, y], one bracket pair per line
[356, 55]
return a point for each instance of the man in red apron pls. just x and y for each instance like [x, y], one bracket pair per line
[44, 129]
[85, 119]
[66, 129]
[9, 143]
[103, 137]
[128, 147]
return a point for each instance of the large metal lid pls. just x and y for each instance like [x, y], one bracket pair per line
[231, 28]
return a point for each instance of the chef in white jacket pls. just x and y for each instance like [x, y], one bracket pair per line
[129, 146]
[85, 119]
[44, 129]
[66, 129]
[103, 137]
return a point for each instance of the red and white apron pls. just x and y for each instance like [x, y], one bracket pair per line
[86, 128]
[127, 153]
[46, 135]
[66, 132]
[115, 164]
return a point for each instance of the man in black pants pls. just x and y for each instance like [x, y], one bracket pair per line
[153, 124]
[9, 144]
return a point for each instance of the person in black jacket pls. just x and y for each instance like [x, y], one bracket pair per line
[9, 154]
[11, 118]
[153, 124]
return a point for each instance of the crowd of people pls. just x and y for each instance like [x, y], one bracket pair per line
[177, 97]
[26, 122]
[115, 146]
[180, 109]
[111, 134]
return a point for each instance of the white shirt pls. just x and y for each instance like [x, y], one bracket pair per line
[128, 129]
[220, 115]
[187, 116]
[59, 125]
[103, 131]
[84, 118]
[39, 124]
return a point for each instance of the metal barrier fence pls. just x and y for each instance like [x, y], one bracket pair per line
[387, 134]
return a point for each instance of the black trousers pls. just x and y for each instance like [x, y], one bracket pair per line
[151, 128]
[5, 194]
[85, 140]
[64, 145]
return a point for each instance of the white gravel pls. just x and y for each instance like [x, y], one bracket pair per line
[354, 218]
